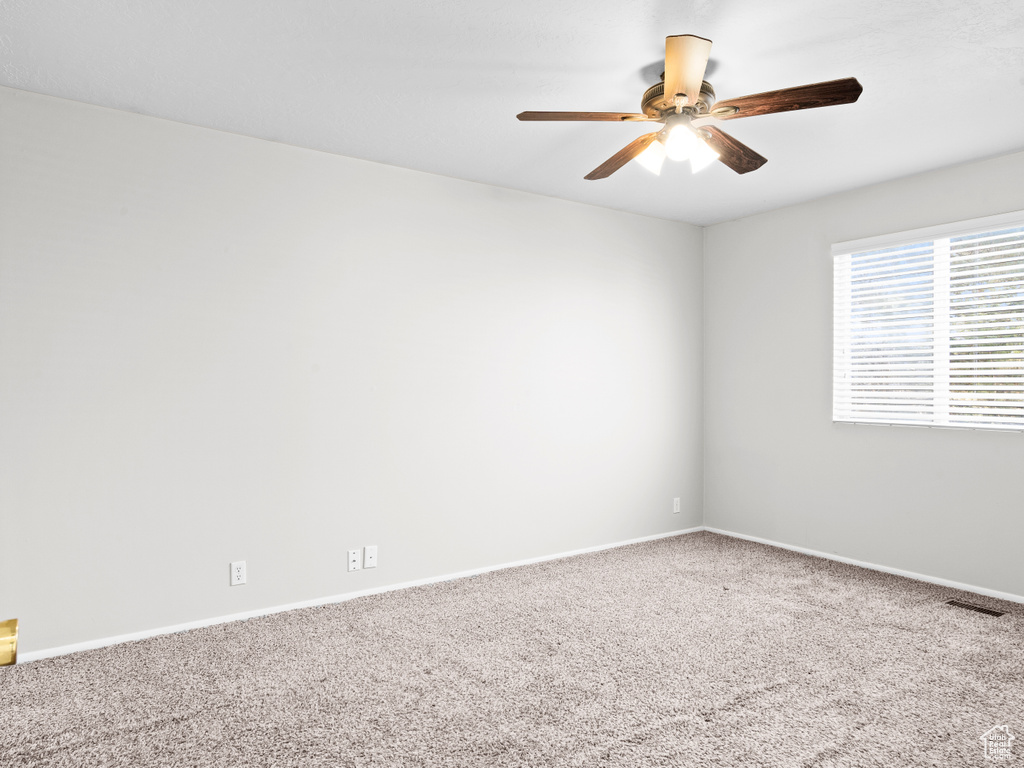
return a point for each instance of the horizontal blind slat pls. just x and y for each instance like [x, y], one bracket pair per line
[885, 368]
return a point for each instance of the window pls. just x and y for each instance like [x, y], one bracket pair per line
[928, 327]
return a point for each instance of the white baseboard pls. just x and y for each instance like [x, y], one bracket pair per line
[871, 566]
[89, 645]
[106, 641]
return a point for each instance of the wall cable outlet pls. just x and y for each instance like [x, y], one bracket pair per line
[675, 506]
[355, 559]
[238, 573]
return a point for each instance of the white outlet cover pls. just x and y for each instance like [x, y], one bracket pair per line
[370, 556]
[355, 559]
[675, 506]
[238, 573]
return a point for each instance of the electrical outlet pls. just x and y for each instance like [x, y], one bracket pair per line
[370, 557]
[238, 573]
[675, 506]
[355, 559]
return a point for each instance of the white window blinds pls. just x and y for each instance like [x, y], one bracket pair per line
[929, 327]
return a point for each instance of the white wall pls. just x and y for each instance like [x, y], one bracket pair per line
[215, 348]
[943, 503]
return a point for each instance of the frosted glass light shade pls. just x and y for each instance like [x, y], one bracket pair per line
[681, 143]
[653, 157]
[702, 156]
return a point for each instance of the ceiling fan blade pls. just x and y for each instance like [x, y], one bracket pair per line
[845, 91]
[616, 117]
[623, 156]
[686, 58]
[732, 153]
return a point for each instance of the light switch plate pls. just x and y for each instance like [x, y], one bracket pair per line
[370, 556]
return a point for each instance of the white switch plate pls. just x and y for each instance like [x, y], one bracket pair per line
[675, 506]
[355, 560]
[238, 573]
[370, 557]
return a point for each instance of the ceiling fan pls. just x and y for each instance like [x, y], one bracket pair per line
[685, 103]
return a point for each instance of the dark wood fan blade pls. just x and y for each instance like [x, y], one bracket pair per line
[828, 94]
[613, 117]
[623, 156]
[732, 153]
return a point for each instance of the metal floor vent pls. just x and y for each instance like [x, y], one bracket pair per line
[978, 608]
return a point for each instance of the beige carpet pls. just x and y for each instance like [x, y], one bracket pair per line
[694, 651]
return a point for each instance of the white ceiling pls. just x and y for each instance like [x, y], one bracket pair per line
[435, 86]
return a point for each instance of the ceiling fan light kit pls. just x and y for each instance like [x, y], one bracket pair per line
[653, 158]
[685, 103]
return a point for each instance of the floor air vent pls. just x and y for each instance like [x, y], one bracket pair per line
[978, 608]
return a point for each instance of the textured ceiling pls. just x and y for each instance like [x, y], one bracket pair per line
[436, 86]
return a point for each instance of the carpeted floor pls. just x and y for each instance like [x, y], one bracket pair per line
[699, 650]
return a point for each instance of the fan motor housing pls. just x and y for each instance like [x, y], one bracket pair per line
[655, 104]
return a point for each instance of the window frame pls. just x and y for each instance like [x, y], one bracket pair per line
[1010, 219]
